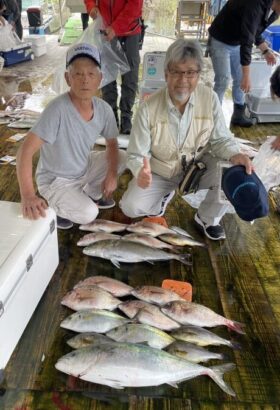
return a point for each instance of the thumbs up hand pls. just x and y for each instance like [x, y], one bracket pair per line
[144, 178]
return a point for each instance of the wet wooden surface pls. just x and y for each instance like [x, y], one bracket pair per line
[238, 278]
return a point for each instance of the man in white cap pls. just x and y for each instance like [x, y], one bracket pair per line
[71, 178]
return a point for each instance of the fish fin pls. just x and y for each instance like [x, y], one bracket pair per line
[236, 326]
[180, 231]
[116, 263]
[173, 384]
[150, 262]
[216, 373]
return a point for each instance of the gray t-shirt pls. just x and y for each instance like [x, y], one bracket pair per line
[68, 138]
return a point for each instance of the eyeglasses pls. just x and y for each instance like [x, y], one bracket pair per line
[186, 74]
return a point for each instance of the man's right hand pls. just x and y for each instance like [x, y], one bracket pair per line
[144, 178]
[94, 13]
[276, 144]
[33, 207]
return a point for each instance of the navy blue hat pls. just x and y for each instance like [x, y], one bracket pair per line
[246, 193]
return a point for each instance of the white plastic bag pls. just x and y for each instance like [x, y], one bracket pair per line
[7, 37]
[113, 58]
[267, 164]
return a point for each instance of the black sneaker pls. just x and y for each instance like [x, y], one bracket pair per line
[103, 203]
[125, 125]
[212, 232]
[63, 223]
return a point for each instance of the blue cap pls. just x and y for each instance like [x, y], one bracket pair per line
[246, 193]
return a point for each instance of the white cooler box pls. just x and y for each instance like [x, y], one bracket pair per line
[28, 259]
[153, 74]
[261, 106]
[38, 44]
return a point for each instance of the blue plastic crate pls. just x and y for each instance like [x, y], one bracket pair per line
[272, 36]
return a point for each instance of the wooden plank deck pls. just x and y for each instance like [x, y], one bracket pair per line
[238, 277]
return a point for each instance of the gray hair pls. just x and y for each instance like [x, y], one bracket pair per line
[181, 50]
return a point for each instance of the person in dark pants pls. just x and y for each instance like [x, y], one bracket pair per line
[85, 19]
[11, 11]
[234, 30]
[122, 19]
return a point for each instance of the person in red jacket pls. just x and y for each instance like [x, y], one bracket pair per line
[122, 19]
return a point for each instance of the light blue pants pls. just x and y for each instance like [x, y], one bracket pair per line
[226, 65]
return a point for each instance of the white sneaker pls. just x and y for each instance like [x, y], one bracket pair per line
[165, 201]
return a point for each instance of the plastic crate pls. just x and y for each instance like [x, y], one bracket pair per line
[272, 36]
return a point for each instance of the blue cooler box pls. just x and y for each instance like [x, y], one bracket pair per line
[17, 54]
[272, 36]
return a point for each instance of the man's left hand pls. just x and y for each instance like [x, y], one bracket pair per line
[109, 185]
[109, 33]
[241, 159]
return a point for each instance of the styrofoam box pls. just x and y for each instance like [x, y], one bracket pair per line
[36, 39]
[260, 73]
[146, 88]
[153, 67]
[28, 259]
[39, 50]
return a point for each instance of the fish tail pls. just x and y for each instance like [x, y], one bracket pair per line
[185, 258]
[236, 326]
[216, 373]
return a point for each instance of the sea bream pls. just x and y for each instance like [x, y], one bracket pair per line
[93, 320]
[90, 238]
[131, 307]
[103, 225]
[114, 286]
[188, 313]
[120, 365]
[90, 297]
[131, 252]
[155, 294]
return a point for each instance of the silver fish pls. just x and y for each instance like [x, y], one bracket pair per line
[90, 238]
[147, 240]
[87, 339]
[120, 365]
[201, 337]
[131, 307]
[192, 353]
[180, 240]
[139, 333]
[102, 225]
[148, 228]
[114, 286]
[188, 313]
[130, 252]
[155, 294]
[90, 297]
[93, 320]
[154, 317]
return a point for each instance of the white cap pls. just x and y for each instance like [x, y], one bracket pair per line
[83, 50]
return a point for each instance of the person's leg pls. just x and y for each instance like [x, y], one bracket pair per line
[85, 19]
[221, 64]
[238, 117]
[129, 85]
[138, 202]
[69, 201]
[97, 170]
[211, 210]
[110, 95]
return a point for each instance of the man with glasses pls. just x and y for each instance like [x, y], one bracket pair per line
[170, 127]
